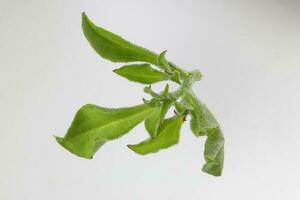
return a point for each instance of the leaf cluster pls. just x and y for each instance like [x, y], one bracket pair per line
[93, 125]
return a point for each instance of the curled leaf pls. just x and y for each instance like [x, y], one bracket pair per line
[168, 135]
[152, 102]
[94, 125]
[214, 152]
[162, 62]
[149, 91]
[203, 123]
[201, 118]
[176, 77]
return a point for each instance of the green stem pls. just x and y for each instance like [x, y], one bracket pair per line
[187, 81]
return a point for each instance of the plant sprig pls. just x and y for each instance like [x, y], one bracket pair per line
[93, 126]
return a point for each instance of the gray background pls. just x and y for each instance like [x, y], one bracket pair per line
[248, 52]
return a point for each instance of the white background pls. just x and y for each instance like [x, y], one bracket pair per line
[248, 52]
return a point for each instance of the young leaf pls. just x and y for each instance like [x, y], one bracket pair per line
[141, 73]
[179, 107]
[149, 91]
[113, 47]
[176, 77]
[214, 152]
[162, 61]
[152, 102]
[93, 126]
[196, 75]
[153, 122]
[166, 91]
[168, 135]
[201, 117]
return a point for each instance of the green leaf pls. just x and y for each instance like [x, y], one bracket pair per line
[165, 93]
[141, 73]
[152, 102]
[113, 47]
[214, 152]
[179, 108]
[94, 125]
[176, 77]
[153, 122]
[168, 135]
[162, 61]
[204, 123]
[149, 91]
[201, 118]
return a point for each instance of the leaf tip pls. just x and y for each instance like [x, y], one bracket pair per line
[134, 148]
[58, 139]
[116, 71]
[84, 16]
[131, 147]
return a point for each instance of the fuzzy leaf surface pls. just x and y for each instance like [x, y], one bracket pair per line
[203, 123]
[94, 125]
[214, 152]
[201, 118]
[113, 47]
[168, 135]
[141, 73]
